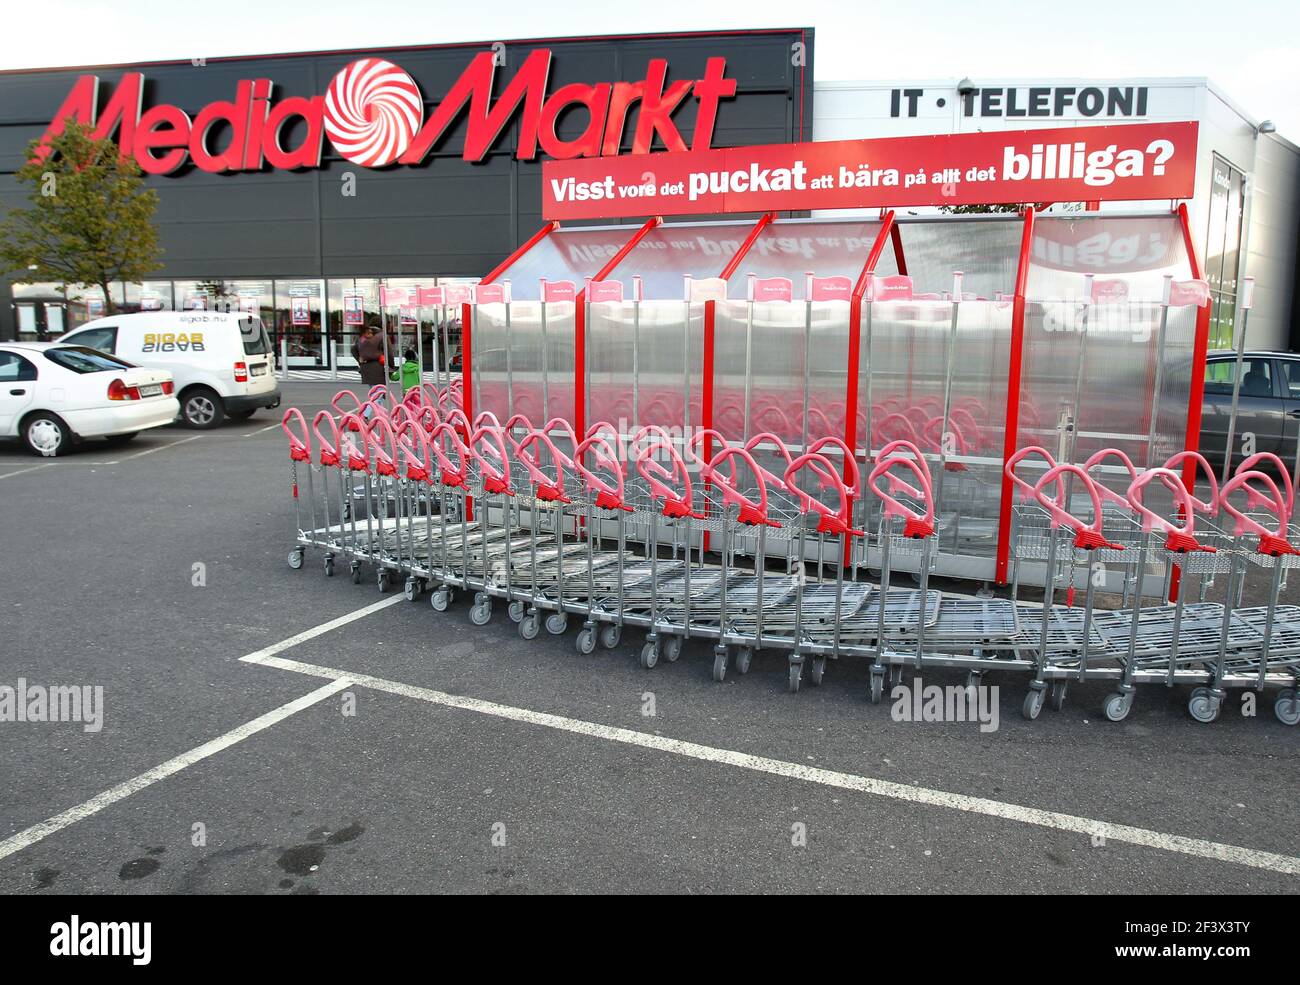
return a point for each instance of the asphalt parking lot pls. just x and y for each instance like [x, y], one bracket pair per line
[369, 744]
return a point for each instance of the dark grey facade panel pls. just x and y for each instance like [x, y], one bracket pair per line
[445, 216]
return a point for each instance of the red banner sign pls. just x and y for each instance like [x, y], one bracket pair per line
[1104, 163]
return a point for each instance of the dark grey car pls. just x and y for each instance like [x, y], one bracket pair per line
[1268, 407]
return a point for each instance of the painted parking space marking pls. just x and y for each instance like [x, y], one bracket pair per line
[252, 434]
[38, 832]
[150, 451]
[1142, 837]
[32, 468]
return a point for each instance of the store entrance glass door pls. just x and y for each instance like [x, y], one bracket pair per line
[40, 321]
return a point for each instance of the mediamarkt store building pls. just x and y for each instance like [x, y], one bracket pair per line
[294, 184]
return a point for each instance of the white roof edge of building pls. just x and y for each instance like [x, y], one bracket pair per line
[1154, 80]
[1018, 80]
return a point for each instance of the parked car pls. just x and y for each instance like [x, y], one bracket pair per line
[222, 361]
[52, 395]
[1268, 405]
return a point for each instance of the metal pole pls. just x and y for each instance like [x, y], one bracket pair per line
[1236, 394]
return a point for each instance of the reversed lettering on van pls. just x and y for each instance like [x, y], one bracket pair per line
[173, 342]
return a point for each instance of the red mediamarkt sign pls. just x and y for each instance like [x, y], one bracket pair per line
[373, 114]
[1133, 162]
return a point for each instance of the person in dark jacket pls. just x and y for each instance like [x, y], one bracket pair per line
[370, 357]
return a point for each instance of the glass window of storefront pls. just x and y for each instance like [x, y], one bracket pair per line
[317, 319]
[298, 318]
[353, 303]
[1222, 250]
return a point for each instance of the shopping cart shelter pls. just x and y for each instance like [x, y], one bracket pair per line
[863, 329]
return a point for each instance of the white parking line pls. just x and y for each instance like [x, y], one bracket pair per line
[38, 832]
[1144, 837]
[72, 815]
[150, 451]
[260, 430]
[33, 468]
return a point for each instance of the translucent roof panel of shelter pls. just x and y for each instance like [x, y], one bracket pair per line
[566, 254]
[985, 250]
[1137, 250]
[667, 254]
[824, 247]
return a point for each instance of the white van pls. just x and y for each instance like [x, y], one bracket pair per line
[222, 361]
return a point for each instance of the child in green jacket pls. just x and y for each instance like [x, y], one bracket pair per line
[408, 372]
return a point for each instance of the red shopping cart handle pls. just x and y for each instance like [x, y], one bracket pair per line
[547, 491]
[1210, 506]
[1103, 491]
[767, 437]
[329, 449]
[1087, 536]
[676, 505]
[299, 445]
[451, 476]
[608, 497]
[385, 451]
[1025, 489]
[916, 525]
[417, 467]
[829, 521]
[358, 458]
[750, 512]
[1256, 498]
[851, 473]
[496, 480]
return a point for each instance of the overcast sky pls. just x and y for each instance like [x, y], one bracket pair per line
[1251, 48]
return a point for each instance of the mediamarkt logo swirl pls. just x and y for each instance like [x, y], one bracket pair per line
[374, 116]
[373, 111]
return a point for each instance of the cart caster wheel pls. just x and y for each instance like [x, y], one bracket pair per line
[1287, 706]
[818, 671]
[480, 613]
[295, 560]
[744, 655]
[673, 648]
[895, 675]
[585, 641]
[557, 623]
[440, 600]
[381, 579]
[720, 666]
[515, 611]
[796, 675]
[411, 589]
[877, 686]
[1057, 698]
[610, 635]
[529, 627]
[1117, 706]
[356, 573]
[1033, 704]
[972, 679]
[329, 567]
[1203, 706]
[649, 655]
[482, 598]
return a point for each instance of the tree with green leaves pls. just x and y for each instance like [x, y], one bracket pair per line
[91, 217]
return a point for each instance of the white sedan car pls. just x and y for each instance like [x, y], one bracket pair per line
[52, 395]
